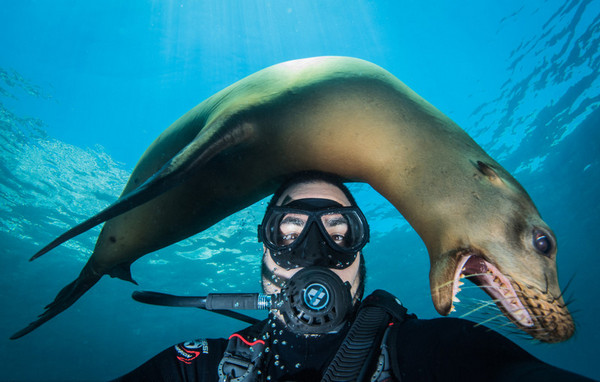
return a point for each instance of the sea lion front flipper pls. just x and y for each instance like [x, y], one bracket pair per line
[123, 272]
[196, 153]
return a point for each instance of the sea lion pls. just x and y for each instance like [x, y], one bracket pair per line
[354, 119]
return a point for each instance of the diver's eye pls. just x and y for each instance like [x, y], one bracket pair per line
[542, 242]
[288, 239]
[338, 239]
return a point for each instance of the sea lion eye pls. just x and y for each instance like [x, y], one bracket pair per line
[542, 242]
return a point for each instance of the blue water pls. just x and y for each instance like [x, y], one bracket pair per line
[85, 87]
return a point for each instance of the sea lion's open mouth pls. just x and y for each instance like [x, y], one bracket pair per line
[486, 276]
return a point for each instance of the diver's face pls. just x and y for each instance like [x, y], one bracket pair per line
[320, 190]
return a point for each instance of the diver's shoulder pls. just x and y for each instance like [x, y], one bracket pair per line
[389, 302]
[190, 351]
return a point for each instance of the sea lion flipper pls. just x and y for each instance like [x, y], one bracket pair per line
[123, 272]
[153, 187]
[65, 298]
[109, 212]
[175, 171]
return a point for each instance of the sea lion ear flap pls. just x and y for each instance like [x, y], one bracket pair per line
[488, 172]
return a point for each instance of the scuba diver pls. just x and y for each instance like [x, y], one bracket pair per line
[321, 329]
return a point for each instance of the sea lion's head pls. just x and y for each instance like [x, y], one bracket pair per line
[499, 242]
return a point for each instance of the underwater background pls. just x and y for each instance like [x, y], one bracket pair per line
[85, 87]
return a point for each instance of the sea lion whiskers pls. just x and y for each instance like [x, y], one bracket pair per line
[478, 308]
[492, 318]
[486, 312]
[482, 305]
[500, 315]
[494, 303]
[564, 290]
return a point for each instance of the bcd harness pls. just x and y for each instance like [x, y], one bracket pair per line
[362, 356]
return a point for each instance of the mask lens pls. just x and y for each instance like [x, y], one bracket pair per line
[345, 229]
[283, 228]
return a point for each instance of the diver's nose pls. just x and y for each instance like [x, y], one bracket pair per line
[314, 248]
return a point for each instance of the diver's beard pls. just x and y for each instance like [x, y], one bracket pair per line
[272, 283]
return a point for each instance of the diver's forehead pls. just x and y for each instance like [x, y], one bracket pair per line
[318, 190]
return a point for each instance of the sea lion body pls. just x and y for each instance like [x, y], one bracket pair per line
[354, 119]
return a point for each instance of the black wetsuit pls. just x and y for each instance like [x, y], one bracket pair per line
[443, 349]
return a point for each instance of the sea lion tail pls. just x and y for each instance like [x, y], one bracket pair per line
[65, 298]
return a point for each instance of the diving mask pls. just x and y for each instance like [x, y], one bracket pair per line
[314, 231]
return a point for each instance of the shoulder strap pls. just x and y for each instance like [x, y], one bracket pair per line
[389, 303]
[243, 355]
[354, 360]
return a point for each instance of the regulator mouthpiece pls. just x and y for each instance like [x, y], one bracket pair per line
[315, 301]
